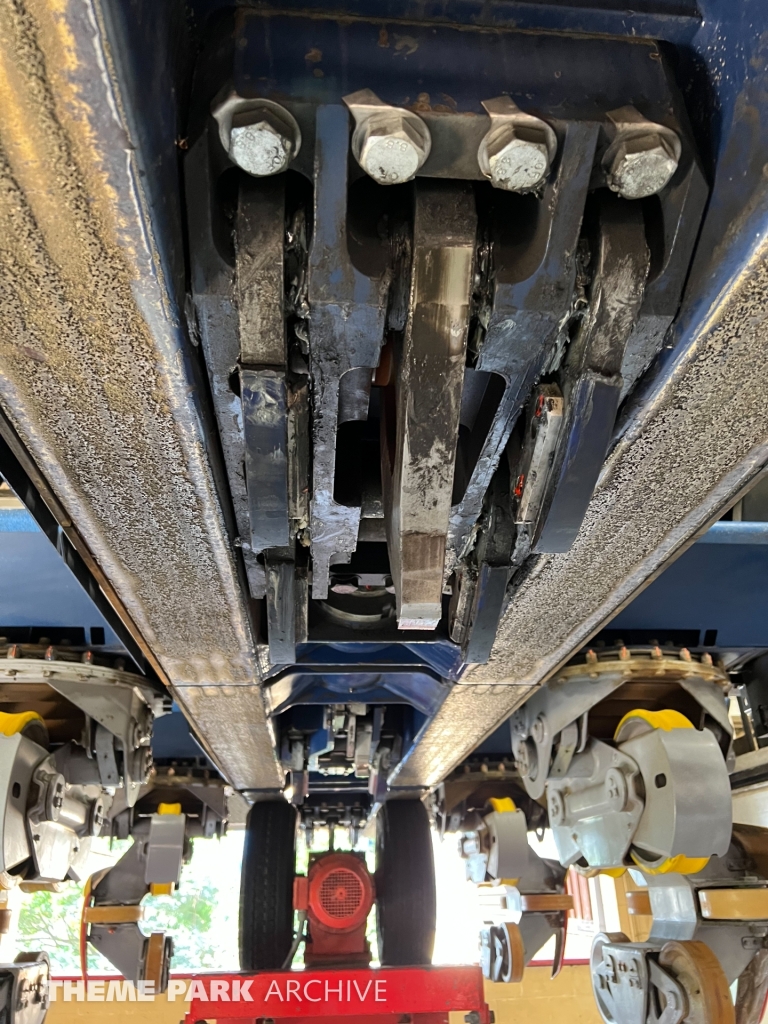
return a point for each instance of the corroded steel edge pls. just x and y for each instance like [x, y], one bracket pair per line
[93, 373]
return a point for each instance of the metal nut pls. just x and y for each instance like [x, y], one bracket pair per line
[527, 760]
[640, 165]
[517, 151]
[616, 788]
[391, 148]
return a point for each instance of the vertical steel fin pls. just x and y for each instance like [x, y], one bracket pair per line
[429, 387]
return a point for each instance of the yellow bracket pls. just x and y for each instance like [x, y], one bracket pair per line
[12, 724]
[680, 864]
[502, 804]
[665, 720]
[169, 808]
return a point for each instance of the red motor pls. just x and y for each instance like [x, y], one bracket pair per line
[337, 894]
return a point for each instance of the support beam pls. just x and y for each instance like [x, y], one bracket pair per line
[346, 331]
[419, 478]
[692, 446]
[591, 378]
[97, 374]
[274, 415]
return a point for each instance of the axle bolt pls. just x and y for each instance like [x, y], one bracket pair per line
[641, 166]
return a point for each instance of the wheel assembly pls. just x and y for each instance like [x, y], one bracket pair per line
[333, 901]
[619, 744]
[266, 888]
[696, 968]
[405, 884]
[677, 982]
[502, 953]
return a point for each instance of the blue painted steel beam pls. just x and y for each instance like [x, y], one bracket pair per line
[718, 587]
[37, 588]
[674, 21]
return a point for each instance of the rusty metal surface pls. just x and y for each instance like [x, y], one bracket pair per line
[591, 380]
[701, 436]
[524, 321]
[93, 371]
[217, 322]
[346, 331]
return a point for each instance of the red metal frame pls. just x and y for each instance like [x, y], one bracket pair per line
[361, 996]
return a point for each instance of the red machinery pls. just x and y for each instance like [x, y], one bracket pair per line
[337, 895]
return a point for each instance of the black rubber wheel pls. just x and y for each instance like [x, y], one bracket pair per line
[405, 884]
[266, 886]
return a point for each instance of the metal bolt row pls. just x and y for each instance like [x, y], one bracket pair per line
[391, 144]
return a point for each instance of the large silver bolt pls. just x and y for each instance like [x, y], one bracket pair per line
[539, 730]
[261, 148]
[391, 151]
[517, 151]
[389, 143]
[260, 136]
[642, 156]
[641, 166]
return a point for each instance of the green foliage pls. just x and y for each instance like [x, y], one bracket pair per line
[50, 921]
[188, 916]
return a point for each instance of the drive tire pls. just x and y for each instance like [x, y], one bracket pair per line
[266, 886]
[405, 884]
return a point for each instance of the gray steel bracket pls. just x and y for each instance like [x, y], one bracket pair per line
[137, 956]
[591, 378]
[524, 323]
[120, 706]
[346, 331]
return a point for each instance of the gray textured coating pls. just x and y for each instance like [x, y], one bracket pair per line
[92, 369]
[700, 439]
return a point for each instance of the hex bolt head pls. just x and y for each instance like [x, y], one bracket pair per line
[556, 807]
[518, 161]
[259, 135]
[390, 147]
[640, 165]
[261, 148]
[517, 151]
